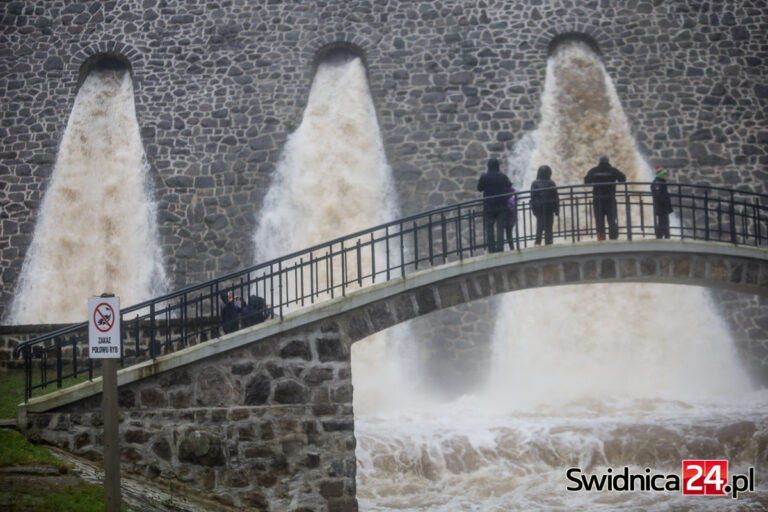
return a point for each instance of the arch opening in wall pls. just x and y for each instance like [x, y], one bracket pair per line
[339, 52]
[108, 61]
[559, 40]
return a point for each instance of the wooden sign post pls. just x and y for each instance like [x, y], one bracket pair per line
[104, 342]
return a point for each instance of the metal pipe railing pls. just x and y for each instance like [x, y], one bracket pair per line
[389, 251]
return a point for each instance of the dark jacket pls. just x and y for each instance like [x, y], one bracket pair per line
[543, 194]
[511, 207]
[494, 183]
[662, 203]
[607, 175]
[230, 314]
[256, 311]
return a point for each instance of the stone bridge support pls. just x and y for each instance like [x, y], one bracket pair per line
[267, 426]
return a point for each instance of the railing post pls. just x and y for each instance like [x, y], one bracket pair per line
[430, 242]
[574, 225]
[402, 251]
[373, 258]
[57, 342]
[311, 278]
[732, 214]
[343, 270]
[706, 215]
[359, 265]
[628, 208]
[152, 330]
[27, 372]
[415, 246]
[280, 286]
[444, 236]
[386, 248]
[459, 248]
[74, 356]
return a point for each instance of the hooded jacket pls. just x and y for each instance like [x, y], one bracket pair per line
[544, 195]
[494, 183]
[662, 203]
[606, 175]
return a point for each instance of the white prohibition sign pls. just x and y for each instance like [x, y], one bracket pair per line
[103, 317]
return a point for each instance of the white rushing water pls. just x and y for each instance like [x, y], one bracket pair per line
[96, 230]
[596, 376]
[333, 179]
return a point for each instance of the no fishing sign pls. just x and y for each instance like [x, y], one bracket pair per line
[104, 327]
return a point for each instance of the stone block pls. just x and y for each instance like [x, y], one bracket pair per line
[331, 349]
[607, 269]
[627, 267]
[450, 293]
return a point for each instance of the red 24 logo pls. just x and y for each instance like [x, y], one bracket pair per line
[705, 477]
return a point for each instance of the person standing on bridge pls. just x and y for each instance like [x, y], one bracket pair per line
[662, 203]
[511, 219]
[545, 203]
[605, 176]
[494, 184]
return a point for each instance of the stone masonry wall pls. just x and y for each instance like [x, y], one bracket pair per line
[265, 427]
[220, 85]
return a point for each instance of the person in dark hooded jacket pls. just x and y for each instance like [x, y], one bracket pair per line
[545, 203]
[256, 311]
[511, 219]
[605, 177]
[494, 183]
[230, 312]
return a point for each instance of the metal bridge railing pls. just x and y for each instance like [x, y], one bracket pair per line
[389, 251]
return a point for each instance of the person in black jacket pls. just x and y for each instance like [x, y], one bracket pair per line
[256, 311]
[605, 176]
[230, 312]
[545, 203]
[662, 203]
[494, 183]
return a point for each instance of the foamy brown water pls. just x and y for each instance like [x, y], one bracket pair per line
[590, 376]
[96, 229]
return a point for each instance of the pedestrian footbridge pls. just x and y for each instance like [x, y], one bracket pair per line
[263, 415]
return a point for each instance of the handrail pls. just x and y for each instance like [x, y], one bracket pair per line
[391, 250]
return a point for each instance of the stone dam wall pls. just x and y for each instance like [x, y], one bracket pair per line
[220, 85]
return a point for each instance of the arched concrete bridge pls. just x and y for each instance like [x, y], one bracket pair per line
[262, 418]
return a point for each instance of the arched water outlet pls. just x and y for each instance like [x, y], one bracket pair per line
[596, 377]
[96, 230]
[333, 179]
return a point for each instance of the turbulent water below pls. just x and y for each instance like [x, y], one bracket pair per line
[460, 457]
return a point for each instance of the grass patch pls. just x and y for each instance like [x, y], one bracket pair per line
[15, 450]
[79, 498]
[11, 392]
[12, 387]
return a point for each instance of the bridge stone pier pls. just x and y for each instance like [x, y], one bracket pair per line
[263, 418]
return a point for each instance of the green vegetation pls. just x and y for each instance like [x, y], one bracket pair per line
[30, 493]
[15, 450]
[11, 392]
[78, 498]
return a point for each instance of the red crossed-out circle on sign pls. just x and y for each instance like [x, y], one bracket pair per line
[103, 317]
